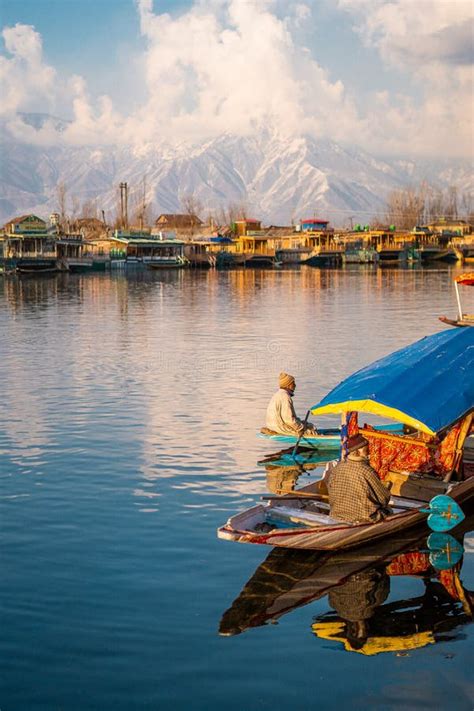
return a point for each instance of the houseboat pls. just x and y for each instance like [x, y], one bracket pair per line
[429, 246]
[324, 247]
[393, 248]
[29, 246]
[252, 247]
[71, 253]
[357, 249]
[154, 250]
[210, 252]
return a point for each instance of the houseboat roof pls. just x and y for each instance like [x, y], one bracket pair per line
[179, 220]
[22, 218]
[152, 241]
[221, 239]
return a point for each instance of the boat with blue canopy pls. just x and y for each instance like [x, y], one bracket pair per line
[428, 387]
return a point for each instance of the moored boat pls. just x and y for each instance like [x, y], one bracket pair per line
[463, 319]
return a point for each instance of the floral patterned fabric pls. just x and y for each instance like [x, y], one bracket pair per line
[392, 453]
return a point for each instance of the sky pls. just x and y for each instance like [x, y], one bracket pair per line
[392, 76]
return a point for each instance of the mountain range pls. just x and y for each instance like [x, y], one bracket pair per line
[274, 178]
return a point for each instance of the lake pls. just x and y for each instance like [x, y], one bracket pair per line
[129, 409]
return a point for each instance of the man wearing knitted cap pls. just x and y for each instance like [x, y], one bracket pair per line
[356, 493]
[281, 417]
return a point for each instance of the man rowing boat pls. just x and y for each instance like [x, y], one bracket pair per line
[281, 417]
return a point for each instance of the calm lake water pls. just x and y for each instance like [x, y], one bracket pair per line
[129, 408]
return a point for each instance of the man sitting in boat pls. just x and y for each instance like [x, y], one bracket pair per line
[281, 417]
[356, 493]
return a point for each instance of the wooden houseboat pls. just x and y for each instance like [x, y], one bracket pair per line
[29, 246]
[71, 253]
[324, 247]
[252, 247]
[288, 245]
[152, 250]
[392, 247]
[357, 248]
[217, 251]
[429, 246]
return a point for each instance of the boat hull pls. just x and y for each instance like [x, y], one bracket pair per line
[325, 439]
[332, 536]
[457, 322]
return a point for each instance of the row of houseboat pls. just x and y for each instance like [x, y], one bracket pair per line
[28, 244]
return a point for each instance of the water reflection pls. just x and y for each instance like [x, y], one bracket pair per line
[357, 585]
[284, 468]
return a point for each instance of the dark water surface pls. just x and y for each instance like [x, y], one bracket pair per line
[129, 406]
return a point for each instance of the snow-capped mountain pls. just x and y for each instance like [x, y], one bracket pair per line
[275, 178]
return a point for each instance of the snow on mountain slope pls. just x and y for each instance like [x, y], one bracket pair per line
[277, 179]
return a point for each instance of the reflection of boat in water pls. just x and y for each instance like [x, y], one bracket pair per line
[357, 584]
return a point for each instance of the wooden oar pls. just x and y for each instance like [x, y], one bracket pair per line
[302, 495]
[302, 433]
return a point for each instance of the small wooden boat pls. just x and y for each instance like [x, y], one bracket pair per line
[462, 319]
[300, 521]
[323, 440]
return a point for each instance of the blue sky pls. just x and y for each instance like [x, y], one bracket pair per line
[81, 35]
[366, 70]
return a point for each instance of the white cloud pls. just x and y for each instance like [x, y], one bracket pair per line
[234, 65]
[24, 77]
[432, 40]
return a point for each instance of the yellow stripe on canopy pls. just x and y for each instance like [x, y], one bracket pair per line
[375, 408]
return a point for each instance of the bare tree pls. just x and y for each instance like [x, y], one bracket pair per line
[89, 209]
[406, 207]
[61, 197]
[140, 209]
[191, 206]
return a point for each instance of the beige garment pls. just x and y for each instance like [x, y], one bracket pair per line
[281, 416]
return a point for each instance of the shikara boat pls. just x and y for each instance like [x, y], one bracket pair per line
[463, 319]
[325, 439]
[428, 386]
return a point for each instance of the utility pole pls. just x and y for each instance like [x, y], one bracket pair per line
[124, 205]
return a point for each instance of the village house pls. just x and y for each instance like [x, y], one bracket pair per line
[184, 224]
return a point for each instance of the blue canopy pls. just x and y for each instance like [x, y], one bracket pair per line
[428, 385]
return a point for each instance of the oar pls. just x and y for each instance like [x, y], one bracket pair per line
[302, 433]
[302, 495]
[444, 513]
